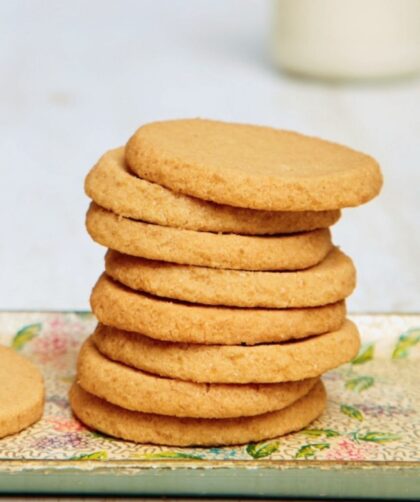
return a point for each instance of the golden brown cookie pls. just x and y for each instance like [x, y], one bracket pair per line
[21, 392]
[286, 252]
[252, 166]
[136, 390]
[111, 185]
[330, 281]
[117, 306]
[270, 363]
[159, 429]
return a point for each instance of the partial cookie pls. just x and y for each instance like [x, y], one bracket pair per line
[251, 166]
[330, 281]
[159, 429]
[21, 392]
[287, 252]
[136, 390]
[117, 306]
[111, 185]
[284, 362]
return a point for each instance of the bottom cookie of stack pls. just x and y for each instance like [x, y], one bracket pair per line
[174, 431]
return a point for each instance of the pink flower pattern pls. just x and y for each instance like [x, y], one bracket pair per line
[347, 449]
[66, 425]
[59, 343]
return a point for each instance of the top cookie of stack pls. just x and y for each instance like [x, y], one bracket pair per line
[219, 237]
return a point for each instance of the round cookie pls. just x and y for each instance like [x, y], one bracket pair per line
[330, 281]
[158, 429]
[111, 185]
[269, 363]
[21, 392]
[252, 166]
[286, 252]
[136, 390]
[117, 306]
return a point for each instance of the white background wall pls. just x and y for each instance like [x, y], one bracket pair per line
[77, 77]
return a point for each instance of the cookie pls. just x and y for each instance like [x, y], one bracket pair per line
[136, 390]
[252, 166]
[158, 429]
[111, 185]
[269, 363]
[21, 392]
[330, 281]
[115, 305]
[287, 252]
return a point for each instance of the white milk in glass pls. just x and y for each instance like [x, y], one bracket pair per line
[347, 39]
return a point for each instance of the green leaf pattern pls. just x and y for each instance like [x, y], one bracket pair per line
[352, 412]
[310, 450]
[25, 335]
[329, 433]
[366, 354]
[360, 383]
[262, 450]
[377, 437]
[405, 342]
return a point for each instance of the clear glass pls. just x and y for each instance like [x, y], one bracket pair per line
[347, 39]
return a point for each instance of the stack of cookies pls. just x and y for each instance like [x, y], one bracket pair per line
[223, 297]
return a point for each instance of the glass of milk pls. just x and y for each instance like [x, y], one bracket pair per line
[347, 39]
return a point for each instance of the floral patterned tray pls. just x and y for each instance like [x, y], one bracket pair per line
[367, 444]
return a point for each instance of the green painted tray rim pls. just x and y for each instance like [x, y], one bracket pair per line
[380, 482]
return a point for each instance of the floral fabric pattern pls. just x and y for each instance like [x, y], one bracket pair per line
[372, 412]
